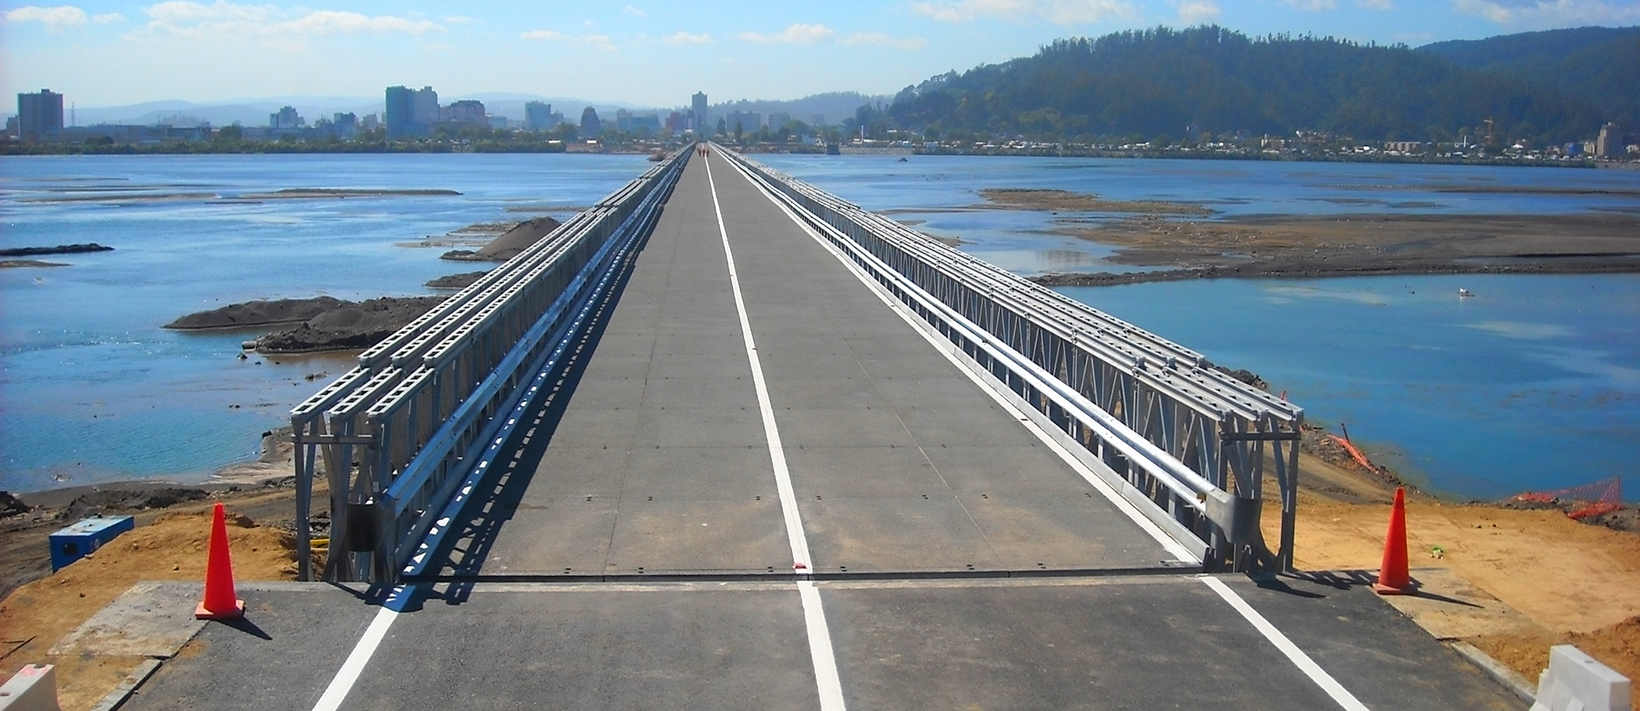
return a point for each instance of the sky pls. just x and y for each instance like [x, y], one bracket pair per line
[644, 52]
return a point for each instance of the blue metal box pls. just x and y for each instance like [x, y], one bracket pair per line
[78, 540]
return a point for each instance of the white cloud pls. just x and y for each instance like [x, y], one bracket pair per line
[1376, 4]
[686, 38]
[796, 34]
[270, 24]
[1550, 14]
[1197, 11]
[1313, 5]
[635, 12]
[602, 42]
[54, 18]
[1059, 12]
[107, 17]
[882, 39]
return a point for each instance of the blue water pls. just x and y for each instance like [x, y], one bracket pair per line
[1532, 384]
[92, 389]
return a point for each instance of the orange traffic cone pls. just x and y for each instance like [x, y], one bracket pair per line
[221, 602]
[1393, 576]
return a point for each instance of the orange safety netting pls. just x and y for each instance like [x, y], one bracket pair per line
[1590, 499]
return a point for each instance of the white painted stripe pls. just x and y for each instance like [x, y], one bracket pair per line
[825, 660]
[349, 673]
[820, 651]
[1318, 675]
[782, 475]
[989, 385]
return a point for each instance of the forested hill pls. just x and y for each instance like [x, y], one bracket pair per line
[1600, 65]
[1158, 82]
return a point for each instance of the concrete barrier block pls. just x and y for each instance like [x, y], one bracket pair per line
[1574, 681]
[32, 688]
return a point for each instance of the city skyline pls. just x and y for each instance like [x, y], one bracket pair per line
[111, 53]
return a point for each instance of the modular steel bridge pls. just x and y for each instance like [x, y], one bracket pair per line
[726, 441]
[426, 413]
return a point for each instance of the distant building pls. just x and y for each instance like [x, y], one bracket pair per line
[424, 107]
[817, 120]
[465, 113]
[746, 121]
[646, 125]
[1608, 145]
[676, 122]
[39, 116]
[590, 125]
[286, 119]
[344, 125]
[538, 116]
[400, 113]
[697, 106]
[778, 120]
[369, 122]
[1406, 146]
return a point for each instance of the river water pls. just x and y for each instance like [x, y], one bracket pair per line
[1533, 384]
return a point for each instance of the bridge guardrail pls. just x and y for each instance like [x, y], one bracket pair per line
[396, 436]
[1190, 438]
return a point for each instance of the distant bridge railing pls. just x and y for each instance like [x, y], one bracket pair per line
[1184, 440]
[396, 437]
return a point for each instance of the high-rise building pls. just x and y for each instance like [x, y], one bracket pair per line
[697, 104]
[40, 115]
[623, 120]
[400, 111]
[1608, 145]
[778, 120]
[538, 116]
[468, 112]
[285, 120]
[590, 125]
[424, 107]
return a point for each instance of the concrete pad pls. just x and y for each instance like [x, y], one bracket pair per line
[151, 619]
[858, 427]
[569, 536]
[685, 648]
[659, 537]
[900, 534]
[1007, 469]
[861, 472]
[1377, 653]
[280, 657]
[700, 427]
[701, 473]
[1149, 644]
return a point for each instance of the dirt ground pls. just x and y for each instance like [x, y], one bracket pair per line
[1576, 583]
[170, 547]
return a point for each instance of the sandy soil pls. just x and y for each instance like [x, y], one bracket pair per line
[171, 547]
[1355, 245]
[1574, 583]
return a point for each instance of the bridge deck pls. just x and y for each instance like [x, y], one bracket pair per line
[651, 459]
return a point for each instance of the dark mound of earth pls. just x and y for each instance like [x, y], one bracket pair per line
[59, 249]
[455, 281]
[349, 326]
[509, 244]
[258, 313]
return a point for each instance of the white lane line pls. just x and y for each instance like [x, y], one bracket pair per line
[820, 651]
[782, 475]
[825, 660]
[349, 673]
[1303, 661]
[989, 386]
